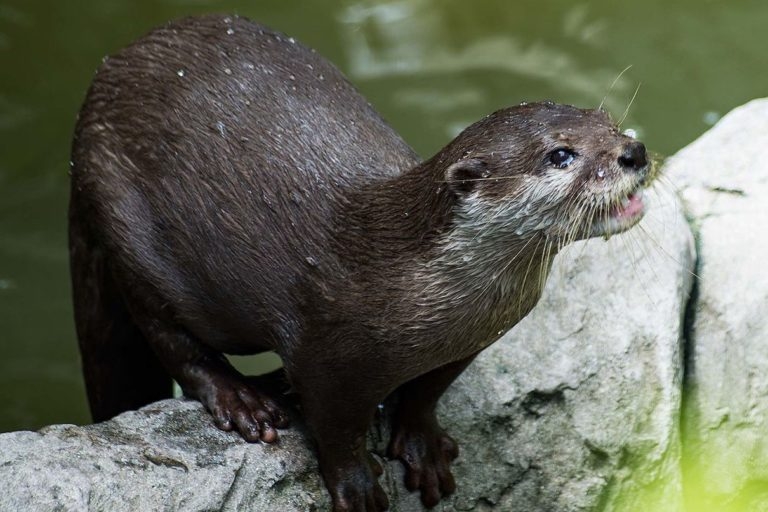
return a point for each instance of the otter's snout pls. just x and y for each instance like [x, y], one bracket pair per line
[633, 157]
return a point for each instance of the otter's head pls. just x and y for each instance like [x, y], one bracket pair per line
[548, 169]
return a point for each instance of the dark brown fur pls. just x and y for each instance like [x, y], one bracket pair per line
[233, 193]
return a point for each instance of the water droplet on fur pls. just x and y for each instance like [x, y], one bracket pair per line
[248, 102]
[500, 333]
[222, 129]
[523, 103]
[291, 40]
[321, 77]
[631, 133]
[180, 72]
[292, 77]
[519, 231]
[312, 261]
[227, 71]
[485, 174]
[230, 31]
[601, 173]
[249, 65]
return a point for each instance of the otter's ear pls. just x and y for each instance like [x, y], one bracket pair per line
[464, 175]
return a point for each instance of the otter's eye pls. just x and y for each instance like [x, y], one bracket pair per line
[561, 158]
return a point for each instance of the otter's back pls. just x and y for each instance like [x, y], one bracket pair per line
[214, 136]
[230, 92]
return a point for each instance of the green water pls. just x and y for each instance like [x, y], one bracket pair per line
[430, 66]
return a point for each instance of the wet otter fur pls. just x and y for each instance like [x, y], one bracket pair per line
[232, 193]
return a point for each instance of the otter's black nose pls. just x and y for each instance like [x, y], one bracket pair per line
[634, 156]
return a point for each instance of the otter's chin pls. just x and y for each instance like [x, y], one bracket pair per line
[622, 216]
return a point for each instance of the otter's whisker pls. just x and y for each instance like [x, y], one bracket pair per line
[626, 111]
[626, 242]
[525, 276]
[492, 178]
[613, 84]
[661, 248]
[647, 256]
[546, 259]
[514, 258]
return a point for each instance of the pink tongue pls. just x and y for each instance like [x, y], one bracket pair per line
[634, 207]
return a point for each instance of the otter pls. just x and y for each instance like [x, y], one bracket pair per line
[233, 193]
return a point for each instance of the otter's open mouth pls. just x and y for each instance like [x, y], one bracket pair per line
[623, 215]
[631, 206]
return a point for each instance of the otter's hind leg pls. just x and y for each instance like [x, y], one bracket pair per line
[418, 441]
[120, 369]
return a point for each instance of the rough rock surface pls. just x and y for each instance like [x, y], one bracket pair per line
[575, 409]
[168, 456]
[724, 181]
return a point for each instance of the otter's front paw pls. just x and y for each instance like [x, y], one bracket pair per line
[355, 488]
[426, 451]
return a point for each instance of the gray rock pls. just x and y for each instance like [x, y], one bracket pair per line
[575, 409]
[167, 456]
[724, 181]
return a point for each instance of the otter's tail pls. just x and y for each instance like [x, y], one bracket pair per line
[121, 371]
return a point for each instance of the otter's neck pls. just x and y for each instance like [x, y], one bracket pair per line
[404, 215]
[492, 280]
[455, 273]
